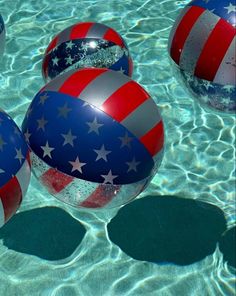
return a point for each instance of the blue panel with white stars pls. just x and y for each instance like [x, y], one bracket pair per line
[84, 142]
[76, 51]
[13, 148]
[225, 9]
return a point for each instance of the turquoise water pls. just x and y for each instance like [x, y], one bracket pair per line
[198, 163]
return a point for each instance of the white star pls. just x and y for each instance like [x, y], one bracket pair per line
[121, 70]
[77, 165]
[69, 138]
[125, 141]
[55, 61]
[102, 153]
[63, 111]
[43, 98]
[2, 171]
[230, 8]
[47, 150]
[41, 123]
[94, 126]
[19, 155]
[27, 135]
[132, 165]
[69, 44]
[109, 177]
[69, 60]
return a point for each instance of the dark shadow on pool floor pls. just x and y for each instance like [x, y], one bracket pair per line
[49, 233]
[167, 229]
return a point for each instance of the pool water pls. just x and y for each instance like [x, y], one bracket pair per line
[44, 249]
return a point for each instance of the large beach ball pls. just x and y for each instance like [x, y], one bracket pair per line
[14, 167]
[83, 45]
[202, 48]
[96, 137]
[2, 35]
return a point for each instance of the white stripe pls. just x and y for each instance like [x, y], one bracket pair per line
[226, 73]
[196, 41]
[23, 177]
[2, 215]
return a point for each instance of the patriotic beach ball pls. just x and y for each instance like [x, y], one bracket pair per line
[84, 45]
[14, 167]
[96, 137]
[202, 49]
[2, 35]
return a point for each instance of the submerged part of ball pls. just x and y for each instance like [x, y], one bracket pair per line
[202, 47]
[96, 137]
[2, 35]
[14, 167]
[85, 45]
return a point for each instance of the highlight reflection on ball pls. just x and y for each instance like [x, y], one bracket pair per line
[85, 45]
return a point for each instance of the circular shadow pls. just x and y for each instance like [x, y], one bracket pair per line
[49, 233]
[167, 229]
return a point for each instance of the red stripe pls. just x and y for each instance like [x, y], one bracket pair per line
[55, 181]
[11, 197]
[101, 196]
[121, 103]
[183, 30]
[80, 30]
[76, 83]
[112, 36]
[214, 50]
[130, 67]
[52, 44]
[154, 139]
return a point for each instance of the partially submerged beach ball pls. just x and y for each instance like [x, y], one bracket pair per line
[202, 48]
[84, 45]
[14, 167]
[96, 137]
[2, 35]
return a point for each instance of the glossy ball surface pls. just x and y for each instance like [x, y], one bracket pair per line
[14, 167]
[96, 137]
[202, 50]
[86, 45]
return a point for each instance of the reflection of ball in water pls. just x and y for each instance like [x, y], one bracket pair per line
[86, 45]
[2, 35]
[14, 167]
[96, 137]
[202, 48]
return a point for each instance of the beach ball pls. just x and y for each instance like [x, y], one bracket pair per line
[202, 50]
[14, 167]
[96, 137]
[85, 45]
[2, 35]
